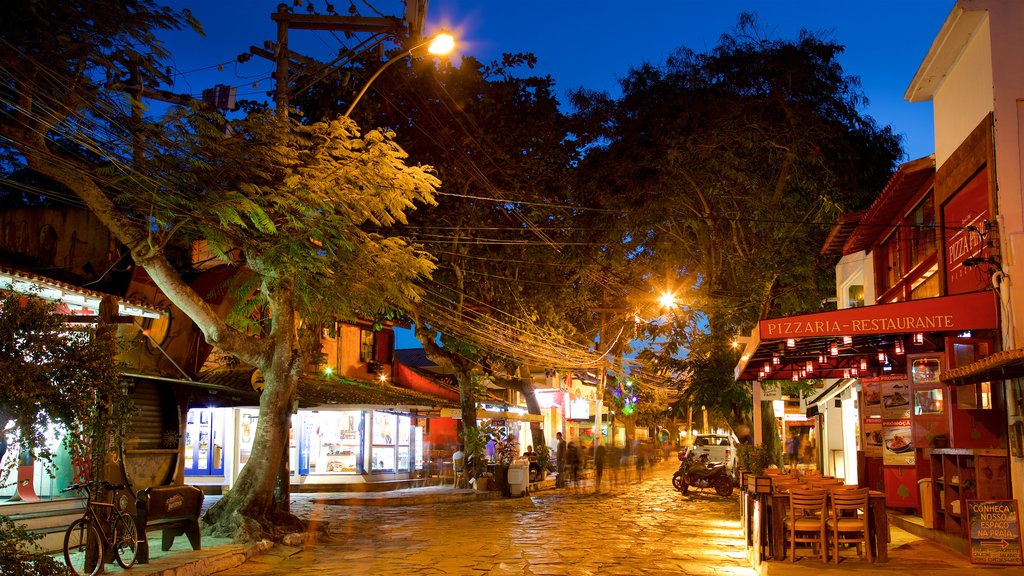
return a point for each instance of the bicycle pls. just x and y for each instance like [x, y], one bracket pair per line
[105, 525]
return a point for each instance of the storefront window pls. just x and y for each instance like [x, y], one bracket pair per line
[247, 430]
[392, 447]
[204, 442]
[335, 441]
[385, 434]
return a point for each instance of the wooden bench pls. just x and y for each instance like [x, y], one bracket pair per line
[175, 510]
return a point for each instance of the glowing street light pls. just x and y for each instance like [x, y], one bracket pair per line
[439, 45]
[667, 300]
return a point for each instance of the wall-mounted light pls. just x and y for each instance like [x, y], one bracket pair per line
[810, 366]
[881, 357]
[899, 347]
[846, 374]
[834, 350]
[919, 338]
[791, 343]
[847, 340]
[822, 359]
[776, 359]
[796, 377]
[863, 363]
[767, 367]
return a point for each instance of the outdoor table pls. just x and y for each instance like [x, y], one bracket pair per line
[878, 524]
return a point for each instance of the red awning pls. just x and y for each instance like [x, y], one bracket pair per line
[795, 340]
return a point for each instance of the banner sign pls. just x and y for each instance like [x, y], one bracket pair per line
[974, 311]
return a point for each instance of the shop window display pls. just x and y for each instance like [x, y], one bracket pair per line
[392, 443]
[336, 446]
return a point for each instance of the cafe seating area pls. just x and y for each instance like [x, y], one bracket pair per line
[804, 517]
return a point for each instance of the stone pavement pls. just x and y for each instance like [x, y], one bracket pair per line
[635, 528]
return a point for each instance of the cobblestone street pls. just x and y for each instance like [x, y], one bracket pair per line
[643, 527]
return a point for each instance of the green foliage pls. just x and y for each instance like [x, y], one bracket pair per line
[725, 171]
[754, 458]
[54, 375]
[544, 458]
[19, 554]
[475, 439]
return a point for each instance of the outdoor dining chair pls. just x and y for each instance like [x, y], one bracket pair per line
[806, 521]
[848, 523]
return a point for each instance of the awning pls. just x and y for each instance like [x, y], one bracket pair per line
[493, 415]
[999, 366]
[785, 345]
[209, 394]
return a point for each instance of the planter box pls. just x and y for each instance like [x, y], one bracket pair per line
[759, 484]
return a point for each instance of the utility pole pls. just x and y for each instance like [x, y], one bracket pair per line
[382, 26]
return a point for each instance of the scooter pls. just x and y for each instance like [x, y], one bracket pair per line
[700, 473]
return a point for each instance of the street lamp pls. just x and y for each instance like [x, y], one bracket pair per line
[439, 45]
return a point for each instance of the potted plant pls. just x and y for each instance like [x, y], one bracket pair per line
[506, 449]
[754, 460]
[475, 439]
[543, 461]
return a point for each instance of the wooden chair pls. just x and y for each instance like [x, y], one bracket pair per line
[806, 520]
[848, 523]
[458, 470]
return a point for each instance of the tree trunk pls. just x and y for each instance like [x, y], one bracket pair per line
[248, 510]
[524, 385]
[467, 394]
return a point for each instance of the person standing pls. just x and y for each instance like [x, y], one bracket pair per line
[599, 461]
[559, 460]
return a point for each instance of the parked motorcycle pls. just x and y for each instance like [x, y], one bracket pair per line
[696, 471]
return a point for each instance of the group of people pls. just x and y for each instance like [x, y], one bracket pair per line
[571, 457]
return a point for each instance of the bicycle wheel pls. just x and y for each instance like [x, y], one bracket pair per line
[126, 541]
[83, 549]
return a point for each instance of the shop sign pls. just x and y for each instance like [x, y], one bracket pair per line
[964, 216]
[579, 409]
[770, 391]
[975, 311]
[994, 532]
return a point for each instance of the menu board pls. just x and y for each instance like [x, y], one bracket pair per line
[872, 398]
[897, 446]
[895, 400]
[995, 532]
[873, 438]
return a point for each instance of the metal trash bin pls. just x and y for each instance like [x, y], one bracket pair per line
[927, 503]
[519, 479]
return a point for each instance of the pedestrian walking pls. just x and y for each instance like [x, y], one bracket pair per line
[599, 462]
[641, 460]
[559, 460]
[572, 462]
[626, 462]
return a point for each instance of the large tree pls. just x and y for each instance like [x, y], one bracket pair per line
[300, 210]
[724, 171]
[508, 295]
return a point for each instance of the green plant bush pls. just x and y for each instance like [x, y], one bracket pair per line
[544, 459]
[19, 553]
[754, 459]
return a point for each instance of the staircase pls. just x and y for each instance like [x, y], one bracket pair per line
[47, 517]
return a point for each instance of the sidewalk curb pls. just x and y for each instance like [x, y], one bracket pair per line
[213, 563]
